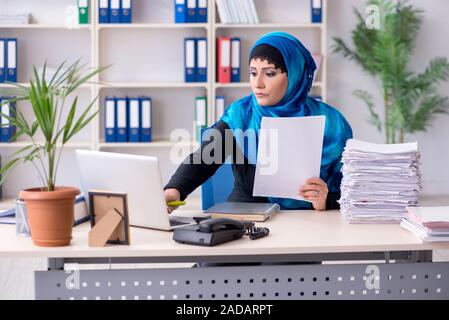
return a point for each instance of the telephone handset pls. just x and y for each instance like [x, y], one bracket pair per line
[220, 224]
[213, 231]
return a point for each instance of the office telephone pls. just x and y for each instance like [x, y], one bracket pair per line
[213, 225]
[210, 232]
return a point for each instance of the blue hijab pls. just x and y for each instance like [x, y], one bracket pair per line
[246, 113]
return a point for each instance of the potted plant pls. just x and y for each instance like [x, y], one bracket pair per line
[50, 207]
[410, 99]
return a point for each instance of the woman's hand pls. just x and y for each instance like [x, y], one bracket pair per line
[315, 190]
[172, 194]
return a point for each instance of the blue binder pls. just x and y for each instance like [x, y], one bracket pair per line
[235, 59]
[8, 130]
[103, 11]
[146, 115]
[114, 11]
[134, 119]
[191, 11]
[2, 60]
[190, 59]
[122, 120]
[201, 53]
[180, 11]
[126, 11]
[11, 60]
[110, 119]
[201, 11]
[317, 11]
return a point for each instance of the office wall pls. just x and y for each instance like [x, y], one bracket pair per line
[345, 76]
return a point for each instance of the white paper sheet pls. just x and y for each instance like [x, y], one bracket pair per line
[289, 152]
[398, 148]
[431, 214]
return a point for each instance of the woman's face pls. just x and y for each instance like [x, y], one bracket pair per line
[269, 84]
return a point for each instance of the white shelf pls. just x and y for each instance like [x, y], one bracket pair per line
[154, 144]
[107, 85]
[45, 26]
[153, 26]
[247, 85]
[270, 26]
[21, 144]
[26, 84]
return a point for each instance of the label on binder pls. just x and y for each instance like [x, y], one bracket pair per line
[134, 118]
[2, 60]
[146, 114]
[201, 112]
[225, 57]
[11, 54]
[110, 117]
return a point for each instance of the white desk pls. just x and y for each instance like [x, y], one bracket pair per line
[294, 236]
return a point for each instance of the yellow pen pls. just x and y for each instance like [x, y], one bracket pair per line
[175, 203]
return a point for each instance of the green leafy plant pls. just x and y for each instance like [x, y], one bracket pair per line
[410, 99]
[48, 101]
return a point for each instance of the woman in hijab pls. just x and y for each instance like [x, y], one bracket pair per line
[281, 73]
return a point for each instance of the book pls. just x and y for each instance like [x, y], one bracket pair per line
[424, 233]
[429, 223]
[430, 217]
[80, 214]
[247, 211]
[7, 216]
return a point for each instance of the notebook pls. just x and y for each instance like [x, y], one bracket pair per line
[430, 217]
[7, 216]
[247, 211]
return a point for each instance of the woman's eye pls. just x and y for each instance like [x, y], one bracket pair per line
[252, 74]
[270, 74]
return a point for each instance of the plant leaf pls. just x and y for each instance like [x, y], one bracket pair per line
[69, 121]
[368, 99]
[5, 171]
[8, 166]
[81, 123]
[76, 84]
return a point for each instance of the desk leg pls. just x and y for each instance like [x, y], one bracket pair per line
[422, 256]
[55, 264]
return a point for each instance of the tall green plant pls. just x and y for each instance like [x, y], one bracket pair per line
[48, 101]
[410, 99]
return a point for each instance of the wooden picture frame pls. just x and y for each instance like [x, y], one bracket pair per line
[100, 205]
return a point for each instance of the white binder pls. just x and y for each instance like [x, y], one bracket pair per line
[219, 106]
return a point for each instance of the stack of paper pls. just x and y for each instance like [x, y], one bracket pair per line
[429, 223]
[237, 12]
[15, 18]
[379, 181]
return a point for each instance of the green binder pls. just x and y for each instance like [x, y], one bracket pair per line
[200, 116]
[83, 11]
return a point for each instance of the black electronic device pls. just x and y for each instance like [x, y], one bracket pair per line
[210, 232]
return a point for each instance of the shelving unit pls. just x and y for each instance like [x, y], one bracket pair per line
[153, 26]
[147, 59]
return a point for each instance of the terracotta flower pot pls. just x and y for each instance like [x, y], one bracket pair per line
[50, 215]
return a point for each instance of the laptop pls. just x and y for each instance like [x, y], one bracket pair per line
[138, 176]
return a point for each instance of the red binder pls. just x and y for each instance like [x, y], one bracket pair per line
[224, 59]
